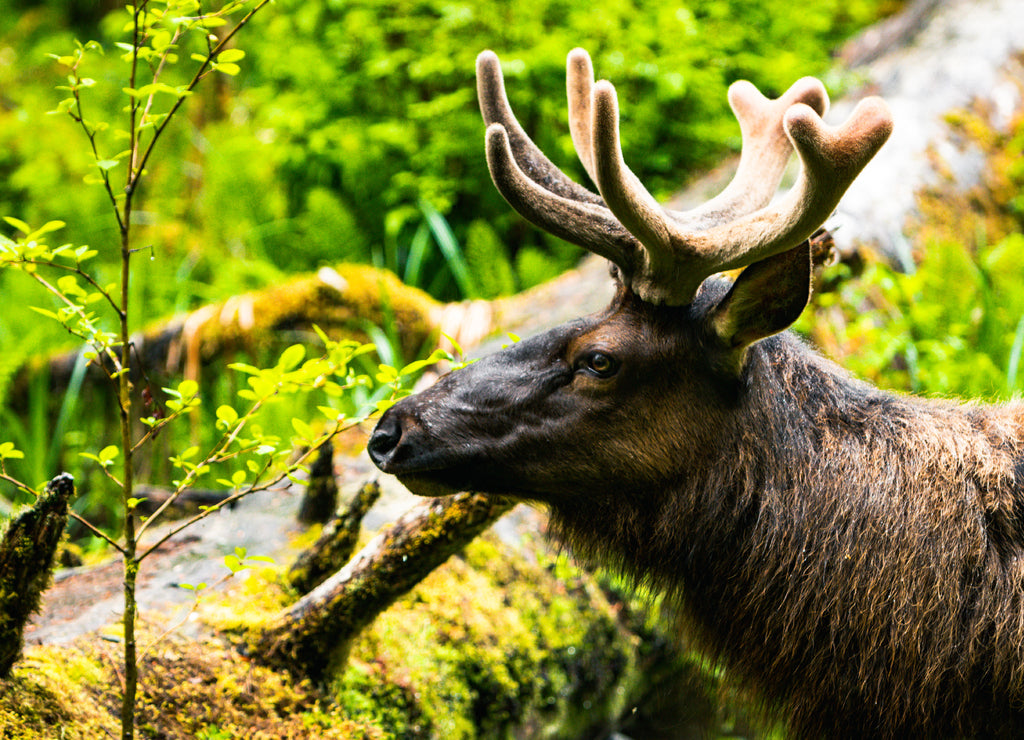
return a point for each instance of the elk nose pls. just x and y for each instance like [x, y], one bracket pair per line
[384, 440]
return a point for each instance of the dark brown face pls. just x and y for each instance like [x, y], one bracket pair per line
[593, 406]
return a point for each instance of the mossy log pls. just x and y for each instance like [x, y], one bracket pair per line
[314, 634]
[27, 549]
[334, 548]
[321, 498]
[342, 300]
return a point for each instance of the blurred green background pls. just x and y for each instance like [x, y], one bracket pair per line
[352, 134]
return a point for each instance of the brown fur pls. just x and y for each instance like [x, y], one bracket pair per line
[853, 555]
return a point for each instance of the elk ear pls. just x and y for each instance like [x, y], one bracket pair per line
[766, 298]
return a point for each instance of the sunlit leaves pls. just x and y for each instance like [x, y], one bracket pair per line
[227, 417]
[184, 397]
[9, 452]
[240, 559]
[33, 235]
[106, 456]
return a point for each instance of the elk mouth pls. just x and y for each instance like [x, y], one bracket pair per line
[423, 485]
[422, 468]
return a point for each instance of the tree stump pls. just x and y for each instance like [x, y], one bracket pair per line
[27, 549]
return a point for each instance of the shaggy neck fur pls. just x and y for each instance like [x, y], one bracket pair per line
[853, 555]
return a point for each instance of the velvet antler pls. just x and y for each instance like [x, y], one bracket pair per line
[663, 255]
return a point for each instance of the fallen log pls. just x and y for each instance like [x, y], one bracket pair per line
[336, 543]
[342, 300]
[315, 633]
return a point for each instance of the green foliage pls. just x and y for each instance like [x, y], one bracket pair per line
[98, 314]
[376, 100]
[347, 118]
[955, 327]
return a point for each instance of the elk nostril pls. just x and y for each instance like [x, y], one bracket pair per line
[384, 440]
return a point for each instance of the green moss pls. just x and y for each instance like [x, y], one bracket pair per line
[369, 296]
[189, 690]
[51, 693]
[491, 646]
[263, 591]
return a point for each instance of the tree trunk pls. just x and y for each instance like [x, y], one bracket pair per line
[336, 544]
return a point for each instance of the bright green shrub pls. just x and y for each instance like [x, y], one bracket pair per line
[375, 100]
[348, 116]
[955, 327]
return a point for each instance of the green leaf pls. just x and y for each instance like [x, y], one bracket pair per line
[227, 414]
[291, 357]
[212, 21]
[161, 40]
[332, 413]
[228, 68]
[20, 225]
[44, 312]
[304, 430]
[243, 368]
[9, 452]
[64, 106]
[386, 374]
[230, 55]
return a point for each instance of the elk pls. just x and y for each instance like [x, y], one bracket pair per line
[854, 556]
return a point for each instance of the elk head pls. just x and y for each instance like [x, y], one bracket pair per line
[627, 399]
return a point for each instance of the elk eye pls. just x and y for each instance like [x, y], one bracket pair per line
[600, 364]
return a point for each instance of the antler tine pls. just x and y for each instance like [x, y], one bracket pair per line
[625, 195]
[831, 158]
[765, 151]
[586, 224]
[579, 82]
[678, 254]
[495, 108]
[535, 187]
